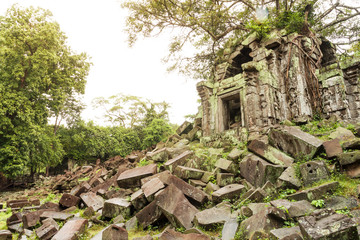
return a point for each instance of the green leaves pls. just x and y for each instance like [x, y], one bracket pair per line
[204, 27]
[40, 78]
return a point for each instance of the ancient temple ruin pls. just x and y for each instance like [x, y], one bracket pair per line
[260, 83]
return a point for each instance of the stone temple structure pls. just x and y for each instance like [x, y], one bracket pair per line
[259, 83]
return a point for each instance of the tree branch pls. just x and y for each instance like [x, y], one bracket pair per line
[339, 21]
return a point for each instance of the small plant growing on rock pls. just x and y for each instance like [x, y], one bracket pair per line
[318, 203]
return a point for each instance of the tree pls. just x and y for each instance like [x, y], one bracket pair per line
[131, 111]
[141, 119]
[40, 76]
[208, 25]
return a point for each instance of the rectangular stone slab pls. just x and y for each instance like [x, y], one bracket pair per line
[5, 235]
[177, 209]
[46, 231]
[326, 224]
[92, 200]
[269, 153]
[177, 161]
[187, 173]
[149, 214]
[188, 190]
[116, 206]
[67, 200]
[56, 215]
[151, 187]
[228, 192]
[132, 177]
[295, 142]
[71, 230]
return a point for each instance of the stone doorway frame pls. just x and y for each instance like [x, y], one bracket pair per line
[223, 113]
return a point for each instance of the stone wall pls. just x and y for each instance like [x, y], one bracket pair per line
[260, 83]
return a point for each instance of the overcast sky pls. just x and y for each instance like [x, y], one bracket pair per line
[96, 27]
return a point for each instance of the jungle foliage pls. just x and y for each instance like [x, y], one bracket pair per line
[42, 79]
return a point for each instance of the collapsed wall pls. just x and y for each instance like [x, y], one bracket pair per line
[292, 77]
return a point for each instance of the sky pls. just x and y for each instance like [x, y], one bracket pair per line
[97, 28]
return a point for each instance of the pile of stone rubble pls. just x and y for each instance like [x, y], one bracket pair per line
[242, 194]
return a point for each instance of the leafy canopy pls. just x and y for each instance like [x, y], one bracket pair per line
[40, 77]
[208, 25]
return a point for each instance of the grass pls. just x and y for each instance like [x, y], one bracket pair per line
[91, 232]
[3, 217]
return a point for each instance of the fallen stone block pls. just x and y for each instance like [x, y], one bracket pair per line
[295, 142]
[194, 134]
[160, 155]
[188, 190]
[131, 224]
[71, 230]
[340, 203]
[116, 206]
[257, 171]
[231, 191]
[315, 192]
[61, 216]
[50, 221]
[288, 179]
[115, 232]
[22, 203]
[255, 208]
[314, 171]
[349, 157]
[208, 218]
[353, 170]
[152, 187]
[270, 153]
[184, 128]
[332, 148]
[197, 183]
[68, 200]
[138, 200]
[235, 154]
[211, 187]
[292, 233]
[89, 212]
[149, 215]
[132, 177]
[353, 144]
[223, 179]
[179, 160]
[257, 196]
[326, 224]
[16, 228]
[46, 231]
[172, 234]
[177, 209]
[294, 209]
[92, 200]
[51, 206]
[187, 173]
[15, 218]
[262, 222]
[230, 228]
[5, 235]
[31, 219]
[227, 166]
[96, 181]
[342, 134]
[79, 189]
[163, 176]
